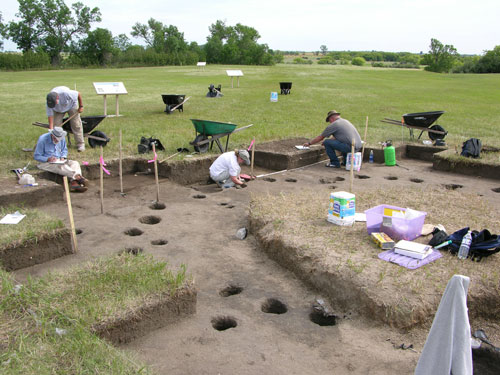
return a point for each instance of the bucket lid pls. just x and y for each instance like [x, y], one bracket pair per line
[342, 195]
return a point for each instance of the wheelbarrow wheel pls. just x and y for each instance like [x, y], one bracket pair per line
[435, 136]
[95, 142]
[201, 148]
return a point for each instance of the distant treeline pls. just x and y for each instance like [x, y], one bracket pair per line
[50, 34]
[440, 58]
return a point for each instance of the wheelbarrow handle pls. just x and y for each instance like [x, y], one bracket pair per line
[178, 105]
[242, 128]
[46, 126]
[73, 115]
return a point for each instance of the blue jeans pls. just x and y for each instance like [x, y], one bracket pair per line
[331, 145]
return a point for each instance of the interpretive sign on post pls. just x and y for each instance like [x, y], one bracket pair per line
[110, 88]
[234, 73]
[202, 64]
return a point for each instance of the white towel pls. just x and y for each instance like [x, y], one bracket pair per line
[448, 346]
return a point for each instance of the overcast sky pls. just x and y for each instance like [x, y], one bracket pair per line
[304, 25]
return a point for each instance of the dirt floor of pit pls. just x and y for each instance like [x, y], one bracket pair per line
[197, 228]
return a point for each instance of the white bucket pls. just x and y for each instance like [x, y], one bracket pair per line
[342, 208]
[357, 161]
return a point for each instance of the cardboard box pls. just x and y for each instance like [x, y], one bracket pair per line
[383, 240]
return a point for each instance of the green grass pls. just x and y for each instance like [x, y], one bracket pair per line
[35, 224]
[75, 301]
[470, 102]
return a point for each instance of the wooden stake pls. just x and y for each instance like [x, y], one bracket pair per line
[253, 153]
[171, 156]
[352, 164]
[74, 245]
[101, 162]
[120, 164]
[156, 175]
[364, 140]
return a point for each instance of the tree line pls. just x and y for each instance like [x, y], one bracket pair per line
[441, 58]
[444, 58]
[49, 33]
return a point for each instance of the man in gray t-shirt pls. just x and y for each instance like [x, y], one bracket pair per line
[62, 100]
[342, 133]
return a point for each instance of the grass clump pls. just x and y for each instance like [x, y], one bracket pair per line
[35, 225]
[46, 325]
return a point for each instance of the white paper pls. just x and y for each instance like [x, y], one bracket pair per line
[57, 162]
[413, 246]
[359, 216]
[413, 254]
[14, 218]
[298, 147]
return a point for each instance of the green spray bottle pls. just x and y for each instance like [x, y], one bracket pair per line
[389, 154]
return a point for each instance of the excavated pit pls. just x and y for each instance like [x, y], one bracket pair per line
[274, 306]
[150, 220]
[133, 232]
[221, 323]
[231, 290]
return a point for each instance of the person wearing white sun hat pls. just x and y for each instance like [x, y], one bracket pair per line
[52, 153]
[225, 170]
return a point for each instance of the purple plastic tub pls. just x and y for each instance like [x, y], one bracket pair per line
[397, 228]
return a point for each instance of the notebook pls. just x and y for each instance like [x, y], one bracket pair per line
[412, 249]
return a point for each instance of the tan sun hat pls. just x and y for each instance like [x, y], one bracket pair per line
[58, 132]
[243, 154]
[332, 112]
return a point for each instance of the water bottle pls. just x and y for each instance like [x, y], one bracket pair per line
[370, 160]
[389, 154]
[463, 251]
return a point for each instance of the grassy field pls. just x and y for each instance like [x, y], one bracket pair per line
[29, 229]
[470, 102]
[33, 315]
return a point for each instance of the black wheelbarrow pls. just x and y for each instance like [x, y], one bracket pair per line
[421, 121]
[173, 102]
[285, 87]
[207, 132]
[95, 138]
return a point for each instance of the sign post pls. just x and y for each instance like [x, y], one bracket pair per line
[202, 64]
[234, 73]
[110, 88]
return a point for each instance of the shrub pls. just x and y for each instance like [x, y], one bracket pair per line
[27, 60]
[299, 60]
[359, 61]
[325, 60]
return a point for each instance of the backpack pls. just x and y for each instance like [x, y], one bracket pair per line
[483, 243]
[146, 145]
[472, 148]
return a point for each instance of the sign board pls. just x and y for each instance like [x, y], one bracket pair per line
[234, 73]
[201, 63]
[274, 96]
[110, 88]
